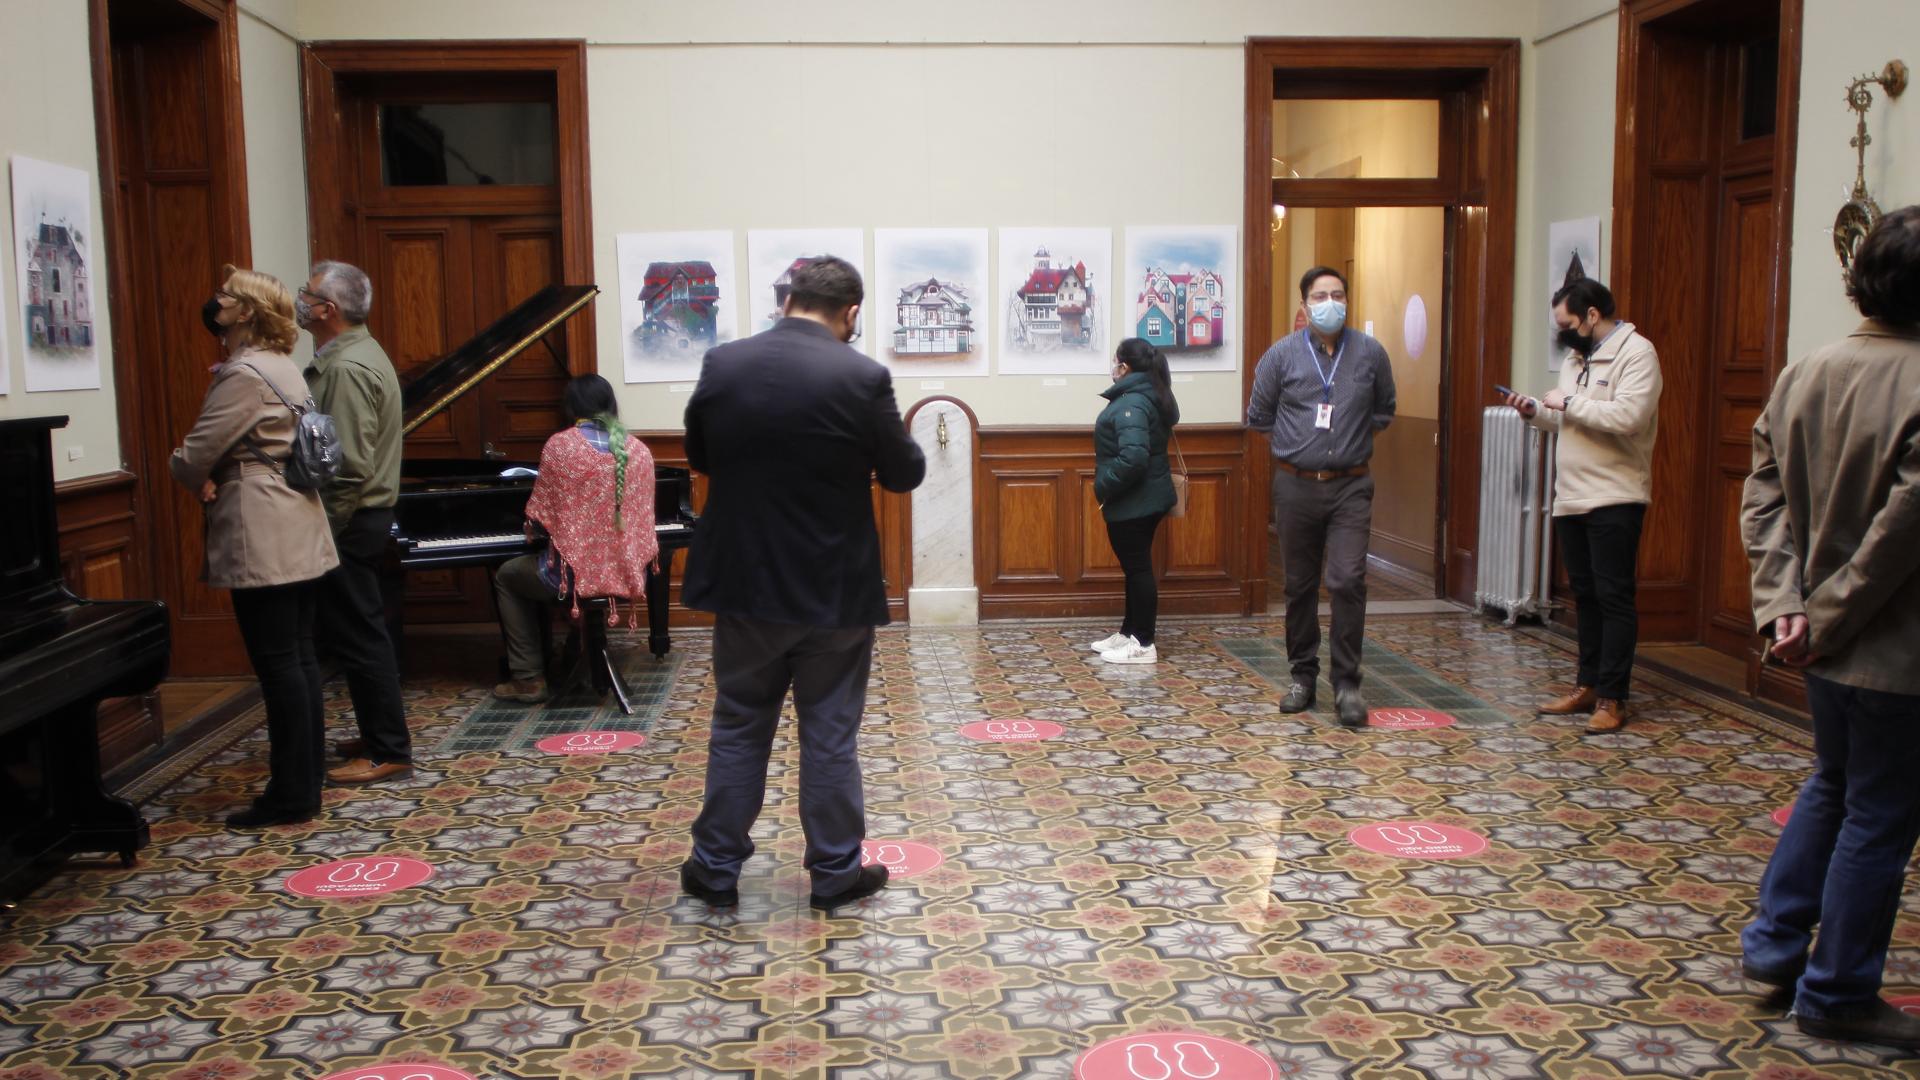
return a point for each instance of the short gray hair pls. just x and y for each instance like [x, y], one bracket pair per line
[346, 285]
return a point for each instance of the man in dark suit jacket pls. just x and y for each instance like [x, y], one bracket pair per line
[790, 427]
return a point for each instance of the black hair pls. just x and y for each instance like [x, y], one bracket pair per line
[1884, 282]
[825, 286]
[1584, 293]
[1318, 272]
[1140, 355]
[589, 397]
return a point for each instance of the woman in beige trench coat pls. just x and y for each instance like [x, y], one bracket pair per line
[266, 541]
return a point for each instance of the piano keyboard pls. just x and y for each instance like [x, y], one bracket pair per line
[491, 539]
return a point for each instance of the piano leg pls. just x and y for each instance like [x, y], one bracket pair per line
[658, 597]
[100, 821]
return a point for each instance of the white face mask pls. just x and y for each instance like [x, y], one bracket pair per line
[1327, 316]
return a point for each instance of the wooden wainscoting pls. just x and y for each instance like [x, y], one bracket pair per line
[892, 513]
[1041, 546]
[99, 561]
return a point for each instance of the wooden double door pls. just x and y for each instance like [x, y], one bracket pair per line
[456, 223]
[1703, 186]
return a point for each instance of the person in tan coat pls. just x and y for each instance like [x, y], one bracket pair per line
[265, 540]
[1831, 519]
[1606, 411]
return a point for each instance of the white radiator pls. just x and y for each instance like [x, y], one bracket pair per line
[1515, 560]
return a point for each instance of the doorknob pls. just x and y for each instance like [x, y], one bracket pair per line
[487, 451]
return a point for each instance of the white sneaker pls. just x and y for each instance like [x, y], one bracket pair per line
[1132, 653]
[1111, 641]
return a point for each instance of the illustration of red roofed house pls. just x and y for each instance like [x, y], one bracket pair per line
[680, 299]
[783, 286]
[1053, 308]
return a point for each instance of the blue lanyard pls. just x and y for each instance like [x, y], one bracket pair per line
[1326, 377]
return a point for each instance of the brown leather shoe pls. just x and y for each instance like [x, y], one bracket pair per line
[1580, 701]
[362, 771]
[348, 749]
[1609, 716]
[525, 691]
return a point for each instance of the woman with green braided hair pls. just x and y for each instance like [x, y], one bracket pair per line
[594, 499]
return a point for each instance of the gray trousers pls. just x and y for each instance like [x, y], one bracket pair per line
[523, 600]
[1324, 520]
[754, 664]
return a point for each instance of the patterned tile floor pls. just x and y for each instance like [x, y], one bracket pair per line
[1177, 859]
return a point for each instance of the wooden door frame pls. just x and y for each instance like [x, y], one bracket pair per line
[1479, 337]
[332, 234]
[132, 382]
[1630, 247]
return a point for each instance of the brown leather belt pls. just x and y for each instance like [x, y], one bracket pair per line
[1323, 474]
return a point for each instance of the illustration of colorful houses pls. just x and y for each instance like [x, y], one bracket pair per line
[1181, 311]
[933, 318]
[1054, 308]
[59, 308]
[680, 299]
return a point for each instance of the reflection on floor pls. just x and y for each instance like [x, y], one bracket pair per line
[1179, 857]
[182, 701]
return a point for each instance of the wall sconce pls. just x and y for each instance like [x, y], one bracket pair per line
[940, 430]
[1858, 214]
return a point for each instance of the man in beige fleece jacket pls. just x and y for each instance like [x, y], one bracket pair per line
[1607, 410]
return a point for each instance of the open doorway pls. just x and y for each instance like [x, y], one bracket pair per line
[1392, 161]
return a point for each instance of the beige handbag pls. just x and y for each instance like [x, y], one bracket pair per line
[1179, 480]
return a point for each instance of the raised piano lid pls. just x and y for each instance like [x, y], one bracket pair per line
[29, 537]
[451, 376]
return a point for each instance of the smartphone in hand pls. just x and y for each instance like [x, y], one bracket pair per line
[1504, 391]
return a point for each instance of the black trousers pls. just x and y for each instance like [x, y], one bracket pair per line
[276, 624]
[1132, 542]
[1325, 522]
[353, 630]
[755, 663]
[1602, 551]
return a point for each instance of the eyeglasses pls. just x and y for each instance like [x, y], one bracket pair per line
[1324, 296]
[314, 297]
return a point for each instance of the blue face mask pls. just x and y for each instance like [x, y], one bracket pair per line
[1327, 316]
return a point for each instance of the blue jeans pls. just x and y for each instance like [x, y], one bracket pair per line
[1842, 857]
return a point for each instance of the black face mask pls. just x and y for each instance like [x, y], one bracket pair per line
[1571, 338]
[210, 316]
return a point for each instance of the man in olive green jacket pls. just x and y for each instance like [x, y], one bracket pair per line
[1831, 520]
[354, 382]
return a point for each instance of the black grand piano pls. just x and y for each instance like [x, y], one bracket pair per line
[472, 511]
[59, 656]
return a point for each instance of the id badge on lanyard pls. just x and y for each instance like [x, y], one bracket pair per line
[1323, 412]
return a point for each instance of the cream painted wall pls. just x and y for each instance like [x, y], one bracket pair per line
[1836, 50]
[46, 83]
[723, 116]
[1566, 167]
[276, 151]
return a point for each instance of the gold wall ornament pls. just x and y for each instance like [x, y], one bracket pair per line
[1859, 213]
[940, 430]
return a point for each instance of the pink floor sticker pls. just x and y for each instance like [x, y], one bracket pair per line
[1408, 719]
[590, 742]
[1012, 730]
[1419, 840]
[400, 1072]
[1909, 1004]
[1781, 815]
[1173, 1055]
[902, 858]
[369, 875]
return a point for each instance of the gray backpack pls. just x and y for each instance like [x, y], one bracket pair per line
[315, 460]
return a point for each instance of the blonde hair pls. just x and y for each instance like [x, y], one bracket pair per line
[266, 310]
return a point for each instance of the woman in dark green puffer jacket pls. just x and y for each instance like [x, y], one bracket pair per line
[1133, 482]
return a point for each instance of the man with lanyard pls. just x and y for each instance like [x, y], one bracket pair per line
[1321, 394]
[1607, 411]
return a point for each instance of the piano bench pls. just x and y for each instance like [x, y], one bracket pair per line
[595, 662]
